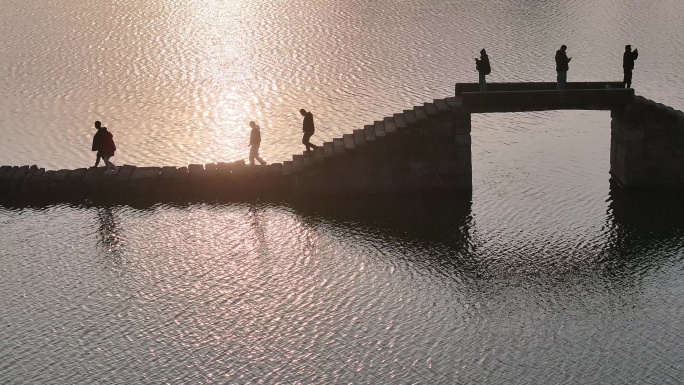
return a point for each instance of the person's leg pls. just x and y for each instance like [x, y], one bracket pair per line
[261, 161]
[628, 78]
[483, 82]
[251, 156]
[306, 142]
[110, 166]
[97, 159]
[560, 80]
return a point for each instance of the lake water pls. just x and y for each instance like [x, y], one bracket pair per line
[550, 274]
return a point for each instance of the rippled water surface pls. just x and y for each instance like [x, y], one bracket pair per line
[549, 274]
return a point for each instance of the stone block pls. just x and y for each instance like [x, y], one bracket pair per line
[462, 123]
[390, 126]
[297, 163]
[400, 121]
[76, 176]
[339, 146]
[328, 149]
[411, 117]
[441, 105]
[379, 129]
[463, 139]
[167, 172]
[124, 173]
[348, 142]
[359, 138]
[180, 177]
[3, 170]
[92, 175]
[369, 132]
[319, 155]
[276, 169]
[287, 167]
[431, 109]
[455, 167]
[421, 113]
[144, 181]
[307, 162]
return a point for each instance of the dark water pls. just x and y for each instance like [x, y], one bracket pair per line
[547, 274]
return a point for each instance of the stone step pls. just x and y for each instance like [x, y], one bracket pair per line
[307, 161]
[431, 109]
[421, 113]
[441, 104]
[275, 168]
[379, 129]
[369, 131]
[454, 102]
[328, 149]
[400, 121]
[359, 138]
[287, 167]
[348, 142]
[339, 146]
[297, 163]
[319, 155]
[410, 116]
[390, 126]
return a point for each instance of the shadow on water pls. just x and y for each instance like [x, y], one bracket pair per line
[647, 228]
[436, 218]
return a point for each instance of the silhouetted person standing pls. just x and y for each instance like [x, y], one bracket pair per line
[308, 128]
[562, 67]
[254, 143]
[628, 59]
[483, 67]
[103, 143]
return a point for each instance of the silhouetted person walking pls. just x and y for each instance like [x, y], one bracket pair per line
[562, 67]
[103, 143]
[308, 128]
[97, 139]
[483, 67]
[254, 143]
[628, 59]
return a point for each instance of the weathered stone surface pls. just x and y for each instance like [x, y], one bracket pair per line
[400, 121]
[167, 172]
[379, 129]
[92, 175]
[463, 139]
[76, 176]
[421, 113]
[276, 168]
[307, 161]
[318, 155]
[3, 170]
[297, 163]
[348, 142]
[339, 146]
[441, 105]
[287, 167]
[359, 138]
[430, 109]
[390, 127]
[411, 117]
[124, 173]
[369, 133]
[328, 149]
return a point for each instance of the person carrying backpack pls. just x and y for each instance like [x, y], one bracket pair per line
[484, 68]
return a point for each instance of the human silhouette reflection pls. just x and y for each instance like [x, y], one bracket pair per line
[109, 240]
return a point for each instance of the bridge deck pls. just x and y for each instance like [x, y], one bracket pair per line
[521, 97]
